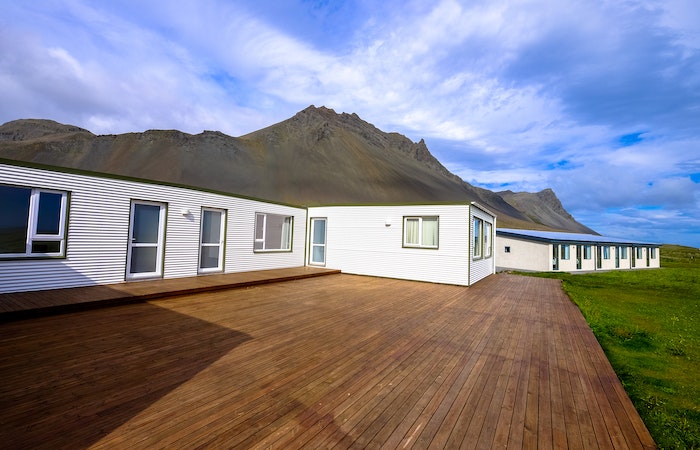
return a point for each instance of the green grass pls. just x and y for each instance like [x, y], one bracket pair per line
[648, 323]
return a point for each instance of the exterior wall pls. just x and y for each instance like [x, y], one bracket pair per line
[98, 228]
[523, 255]
[482, 267]
[646, 261]
[538, 256]
[368, 240]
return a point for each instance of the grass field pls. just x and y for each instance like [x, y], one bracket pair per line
[648, 323]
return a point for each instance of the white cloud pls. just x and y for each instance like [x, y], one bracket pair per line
[526, 94]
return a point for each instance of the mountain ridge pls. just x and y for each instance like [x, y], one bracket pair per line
[315, 157]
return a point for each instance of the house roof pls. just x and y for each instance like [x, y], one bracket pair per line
[556, 236]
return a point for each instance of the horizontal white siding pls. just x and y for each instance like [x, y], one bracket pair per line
[523, 255]
[368, 240]
[482, 267]
[98, 229]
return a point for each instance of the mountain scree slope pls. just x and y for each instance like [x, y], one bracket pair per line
[316, 157]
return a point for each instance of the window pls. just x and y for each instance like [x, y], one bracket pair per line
[487, 240]
[507, 249]
[652, 252]
[565, 251]
[32, 223]
[478, 237]
[273, 232]
[623, 252]
[420, 232]
[640, 253]
[587, 252]
[211, 240]
[606, 252]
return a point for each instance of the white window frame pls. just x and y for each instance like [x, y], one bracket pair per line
[159, 245]
[221, 244]
[314, 221]
[32, 234]
[488, 246]
[260, 243]
[478, 238]
[421, 240]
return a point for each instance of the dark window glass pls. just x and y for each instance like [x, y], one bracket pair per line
[46, 246]
[146, 223]
[49, 217]
[14, 204]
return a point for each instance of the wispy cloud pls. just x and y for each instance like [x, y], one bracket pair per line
[600, 101]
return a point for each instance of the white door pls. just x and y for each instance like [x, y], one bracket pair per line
[146, 236]
[318, 242]
[211, 241]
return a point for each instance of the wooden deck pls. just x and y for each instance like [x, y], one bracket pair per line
[339, 361]
[21, 305]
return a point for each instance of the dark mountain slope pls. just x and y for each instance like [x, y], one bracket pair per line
[315, 157]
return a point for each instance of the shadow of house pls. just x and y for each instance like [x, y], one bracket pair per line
[127, 357]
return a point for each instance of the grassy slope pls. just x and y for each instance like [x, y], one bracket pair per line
[648, 323]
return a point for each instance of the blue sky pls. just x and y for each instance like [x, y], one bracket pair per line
[598, 100]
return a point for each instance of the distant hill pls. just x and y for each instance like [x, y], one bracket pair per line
[315, 157]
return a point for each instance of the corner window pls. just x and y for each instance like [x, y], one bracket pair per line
[478, 237]
[420, 232]
[487, 240]
[273, 232]
[32, 223]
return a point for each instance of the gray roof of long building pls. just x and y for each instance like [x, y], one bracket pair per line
[557, 236]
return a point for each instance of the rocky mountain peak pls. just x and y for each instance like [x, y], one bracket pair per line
[315, 157]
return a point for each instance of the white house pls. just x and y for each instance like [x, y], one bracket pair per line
[64, 228]
[545, 251]
[67, 228]
[443, 243]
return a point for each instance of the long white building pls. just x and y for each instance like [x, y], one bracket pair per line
[63, 228]
[546, 251]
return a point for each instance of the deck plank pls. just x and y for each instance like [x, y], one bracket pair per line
[331, 362]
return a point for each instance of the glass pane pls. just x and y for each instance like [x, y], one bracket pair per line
[49, 217]
[46, 246]
[14, 203]
[211, 227]
[412, 231]
[209, 257]
[477, 237]
[487, 239]
[319, 231]
[319, 254]
[430, 232]
[146, 222]
[143, 259]
[277, 232]
[259, 226]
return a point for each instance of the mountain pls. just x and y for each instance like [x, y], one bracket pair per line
[315, 157]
